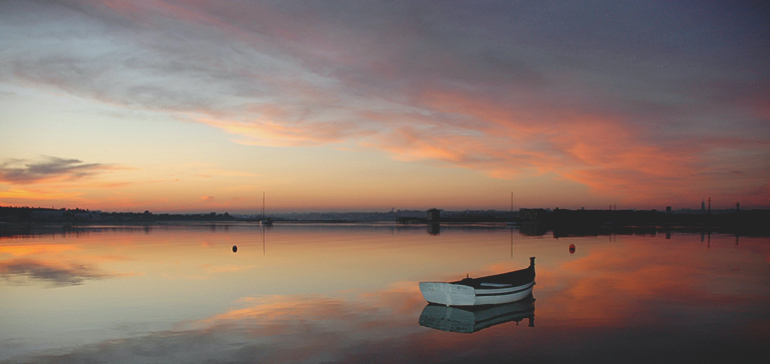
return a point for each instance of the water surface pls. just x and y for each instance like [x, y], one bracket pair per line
[349, 293]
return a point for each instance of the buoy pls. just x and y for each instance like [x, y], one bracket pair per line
[235, 248]
[572, 248]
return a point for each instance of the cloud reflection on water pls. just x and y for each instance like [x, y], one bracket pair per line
[28, 272]
[670, 277]
[318, 329]
[635, 298]
[278, 329]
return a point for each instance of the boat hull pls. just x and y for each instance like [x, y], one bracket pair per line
[452, 294]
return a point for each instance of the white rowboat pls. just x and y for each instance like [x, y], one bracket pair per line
[490, 290]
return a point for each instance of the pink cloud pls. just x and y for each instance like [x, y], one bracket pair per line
[473, 91]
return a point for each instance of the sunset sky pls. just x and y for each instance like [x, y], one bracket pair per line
[203, 105]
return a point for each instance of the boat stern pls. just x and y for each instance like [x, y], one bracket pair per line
[448, 294]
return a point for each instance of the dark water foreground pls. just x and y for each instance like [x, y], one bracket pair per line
[348, 293]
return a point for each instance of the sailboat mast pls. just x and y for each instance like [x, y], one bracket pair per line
[263, 205]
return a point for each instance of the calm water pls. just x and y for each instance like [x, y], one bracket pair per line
[349, 293]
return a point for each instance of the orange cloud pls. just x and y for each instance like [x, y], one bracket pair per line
[275, 134]
[608, 153]
[320, 79]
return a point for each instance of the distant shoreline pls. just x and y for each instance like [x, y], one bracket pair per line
[9, 229]
[562, 222]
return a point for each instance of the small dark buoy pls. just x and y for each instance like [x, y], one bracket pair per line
[235, 248]
[572, 248]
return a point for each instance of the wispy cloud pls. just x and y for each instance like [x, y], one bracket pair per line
[20, 171]
[624, 104]
[273, 134]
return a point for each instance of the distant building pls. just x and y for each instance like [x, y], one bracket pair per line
[532, 214]
[434, 215]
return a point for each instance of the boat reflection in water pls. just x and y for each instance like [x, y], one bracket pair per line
[474, 318]
[472, 304]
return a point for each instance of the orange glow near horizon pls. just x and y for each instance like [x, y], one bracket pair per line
[201, 106]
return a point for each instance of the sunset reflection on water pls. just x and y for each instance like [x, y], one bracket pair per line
[348, 293]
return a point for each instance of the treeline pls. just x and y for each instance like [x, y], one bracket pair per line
[653, 217]
[553, 218]
[37, 214]
[399, 215]
[592, 222]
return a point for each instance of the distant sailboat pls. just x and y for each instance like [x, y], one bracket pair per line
[512, 222]
[265, 221]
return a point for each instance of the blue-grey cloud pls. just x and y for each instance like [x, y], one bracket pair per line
[674, 75]
[316, 61]
[20, 171]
